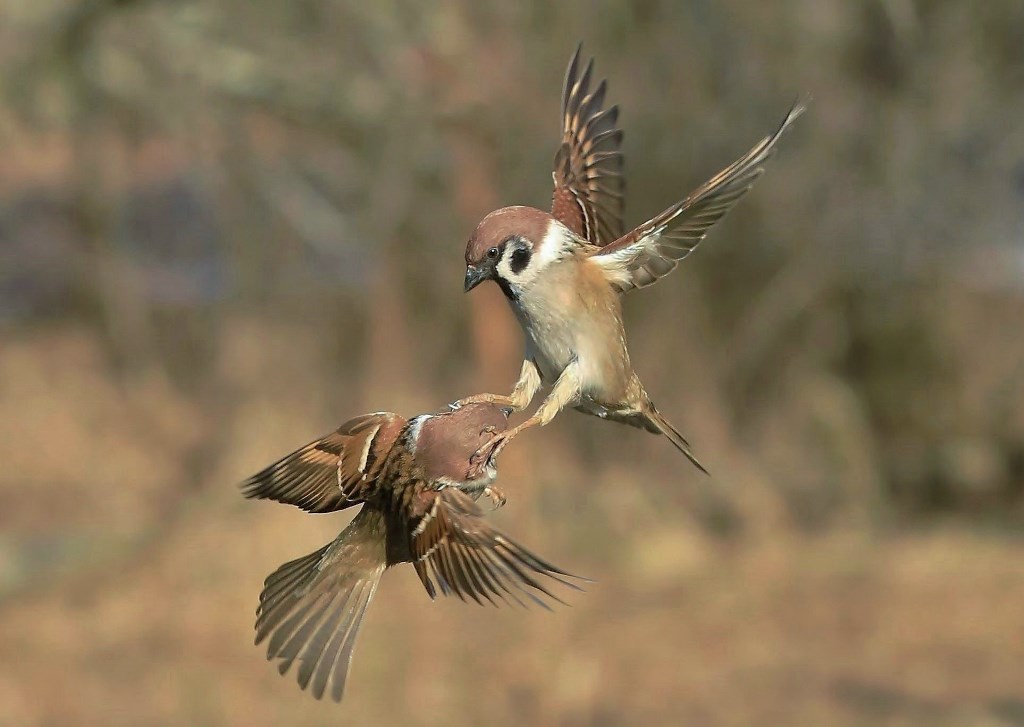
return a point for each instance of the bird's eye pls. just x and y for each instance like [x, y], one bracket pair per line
[492, 253]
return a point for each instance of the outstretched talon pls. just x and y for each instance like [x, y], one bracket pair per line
[500, 400]
[501, 440]
[486, 453]
[498, 442]
[496, 496]
[489, 450]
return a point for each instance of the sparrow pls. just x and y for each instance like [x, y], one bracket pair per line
[418, 489]
[564, 272]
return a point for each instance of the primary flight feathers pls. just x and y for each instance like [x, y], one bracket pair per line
[655, 248]
[588, 196]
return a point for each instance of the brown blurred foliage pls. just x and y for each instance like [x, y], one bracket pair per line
[227, 226]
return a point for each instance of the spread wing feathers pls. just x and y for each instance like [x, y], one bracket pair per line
[588, 196]
[453, 545]
[656, 247]
[312, 607]
[333, 472]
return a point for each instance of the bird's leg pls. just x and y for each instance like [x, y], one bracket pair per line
[523, 393]
[499, 399]
[565, 392]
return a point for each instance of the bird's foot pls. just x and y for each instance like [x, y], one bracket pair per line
[486, 454]
[490, 449]
[498, 399]
[496, 496]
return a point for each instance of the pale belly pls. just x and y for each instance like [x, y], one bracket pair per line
[600, 355]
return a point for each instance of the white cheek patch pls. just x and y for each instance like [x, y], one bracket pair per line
[504, 269]
[552, 248]
[517, 282]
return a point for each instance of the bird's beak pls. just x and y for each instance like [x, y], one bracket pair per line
[474, 276]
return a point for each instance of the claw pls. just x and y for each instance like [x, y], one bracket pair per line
[502, 440]
[482, 454]
[489, 449]
[498, 443]
[496, 496]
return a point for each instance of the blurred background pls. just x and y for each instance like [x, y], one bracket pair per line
[227, 226]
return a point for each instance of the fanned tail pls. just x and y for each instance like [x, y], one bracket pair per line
[312, 607]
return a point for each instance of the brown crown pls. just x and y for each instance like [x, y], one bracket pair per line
[448, 440]
[501, 224]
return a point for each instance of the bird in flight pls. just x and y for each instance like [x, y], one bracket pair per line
[564, 272]
[417, 481]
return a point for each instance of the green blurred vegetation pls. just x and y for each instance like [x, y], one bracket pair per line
[227, 226]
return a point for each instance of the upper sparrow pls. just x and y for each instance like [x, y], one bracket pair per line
[563, 272]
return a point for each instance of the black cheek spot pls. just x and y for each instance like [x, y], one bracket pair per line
[519, 260]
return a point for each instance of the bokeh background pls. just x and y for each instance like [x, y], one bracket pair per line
[227, 226]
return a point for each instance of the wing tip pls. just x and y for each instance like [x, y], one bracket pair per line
[799, 106]
[570, 75]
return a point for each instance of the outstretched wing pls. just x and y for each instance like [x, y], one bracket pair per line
[451, 544]
[588, 196]
[655, 248]
[333, 472]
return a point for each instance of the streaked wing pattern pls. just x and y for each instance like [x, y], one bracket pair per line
[653, 250]
[333, 472]
[588, 196]
[452, 545]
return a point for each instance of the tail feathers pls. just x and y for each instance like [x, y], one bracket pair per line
[664, 426]
[312, 607]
